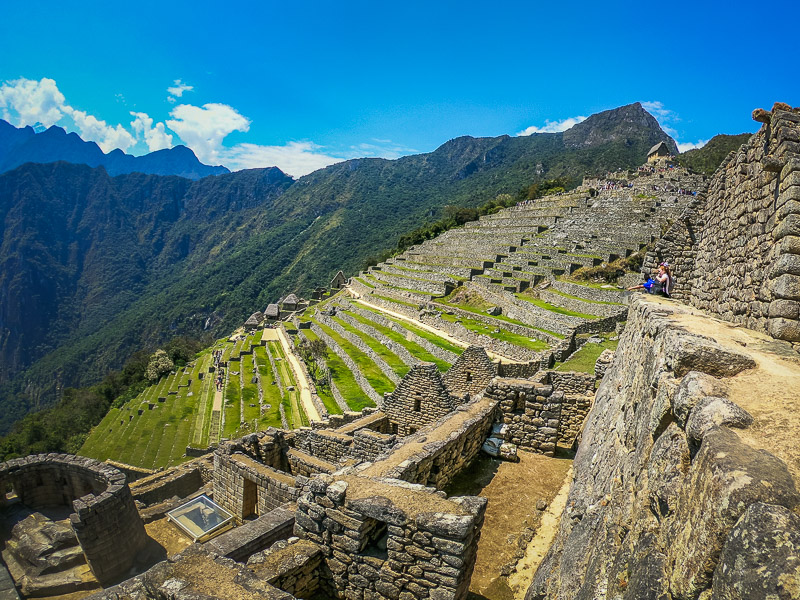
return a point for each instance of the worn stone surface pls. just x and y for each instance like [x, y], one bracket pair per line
[761, 557]
[661, 483]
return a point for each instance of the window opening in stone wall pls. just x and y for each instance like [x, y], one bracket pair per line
[417, 404]
[8, 493]
[249, 499]
[374, 541]
[469, 376]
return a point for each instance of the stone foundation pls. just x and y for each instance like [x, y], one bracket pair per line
[106, 522]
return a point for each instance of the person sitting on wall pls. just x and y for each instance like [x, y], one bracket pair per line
[661, 285]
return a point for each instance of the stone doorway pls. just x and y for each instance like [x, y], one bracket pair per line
[249, 499]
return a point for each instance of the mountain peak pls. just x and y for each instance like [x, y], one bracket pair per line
[630, 123]
[23, 145]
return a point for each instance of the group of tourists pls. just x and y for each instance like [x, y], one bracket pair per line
[219, 381]
[662, 284]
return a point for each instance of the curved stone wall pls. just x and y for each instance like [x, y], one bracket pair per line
[106, 521]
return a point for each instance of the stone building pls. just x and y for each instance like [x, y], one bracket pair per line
[471, 373]
[338, 281]
[272, 312]
[290, 303]
[660, 150]
[419, 399]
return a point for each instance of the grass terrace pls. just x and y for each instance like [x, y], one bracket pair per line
[397, 365]
[344, 380]
[584, 359]
[553, 308]
[423, 333]
[415, 349]
[374, 376]
[499, 334]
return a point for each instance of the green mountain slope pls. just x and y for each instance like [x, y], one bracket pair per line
[94, 267]
[708, 158]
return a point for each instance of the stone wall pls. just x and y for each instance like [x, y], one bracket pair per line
[531, 411]
[391, 539]
[471, 373]
[108, 526]
[419, 399]
[330, 445]
[181, 481]
[667, 500]
[368, 444]
[437, 453]
[737, 251]
[254, 536]
[244, 486]
[294, 566]
[302, 463]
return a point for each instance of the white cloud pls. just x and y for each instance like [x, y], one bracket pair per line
[203, 128]
[156, 137]
[96, 130]
[665, 117]
[295, 158]
[27, 102]
[178, 89]
[381, 149]
[553, 126]
[683, 147]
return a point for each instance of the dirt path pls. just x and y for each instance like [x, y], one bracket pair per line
[513, 490]
[217, 401]
[300, 378]
[426, 327]
[770, 392]
[520, 580]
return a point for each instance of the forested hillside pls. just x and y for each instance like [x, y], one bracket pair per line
[94, 267]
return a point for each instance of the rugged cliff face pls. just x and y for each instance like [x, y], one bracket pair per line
[674, 494]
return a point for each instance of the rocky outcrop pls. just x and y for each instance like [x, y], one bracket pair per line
[667, 500]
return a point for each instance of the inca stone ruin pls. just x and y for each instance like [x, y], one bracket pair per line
[672, 460]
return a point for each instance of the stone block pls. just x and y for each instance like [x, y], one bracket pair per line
[790, 225]
[786, 286]
[784, 329]
[711, 412]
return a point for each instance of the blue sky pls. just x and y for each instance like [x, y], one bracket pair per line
[303, 84]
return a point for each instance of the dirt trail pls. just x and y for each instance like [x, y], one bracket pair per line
[217, 401]
[300, 378]
[770, 392]
[520, 580]
[421, 325]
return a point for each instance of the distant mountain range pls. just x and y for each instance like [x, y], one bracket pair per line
[24, 145]
[94, 267]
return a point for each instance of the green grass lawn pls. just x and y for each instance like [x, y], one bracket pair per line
[504, 335]
[397, 365]
[565, 295]
[353, 394]
[584, 359]
[415, 349]
[271, 417]
[374, 376]
[553, 308]
[423, 333]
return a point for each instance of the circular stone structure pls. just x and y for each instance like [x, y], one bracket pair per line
[106, 522]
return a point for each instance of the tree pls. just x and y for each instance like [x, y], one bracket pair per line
[159, 364]
[314, 353]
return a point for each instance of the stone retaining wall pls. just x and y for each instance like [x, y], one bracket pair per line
[368, 444]
[307, 465]
[334, 346]
[106, 522]
[181, 481]
[437, 351]
[531, 411]
[702, 507]
[361, 345]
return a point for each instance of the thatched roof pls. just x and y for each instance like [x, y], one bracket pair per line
[254, 319]
[291, 299]
[272, 311]
[658, 148]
